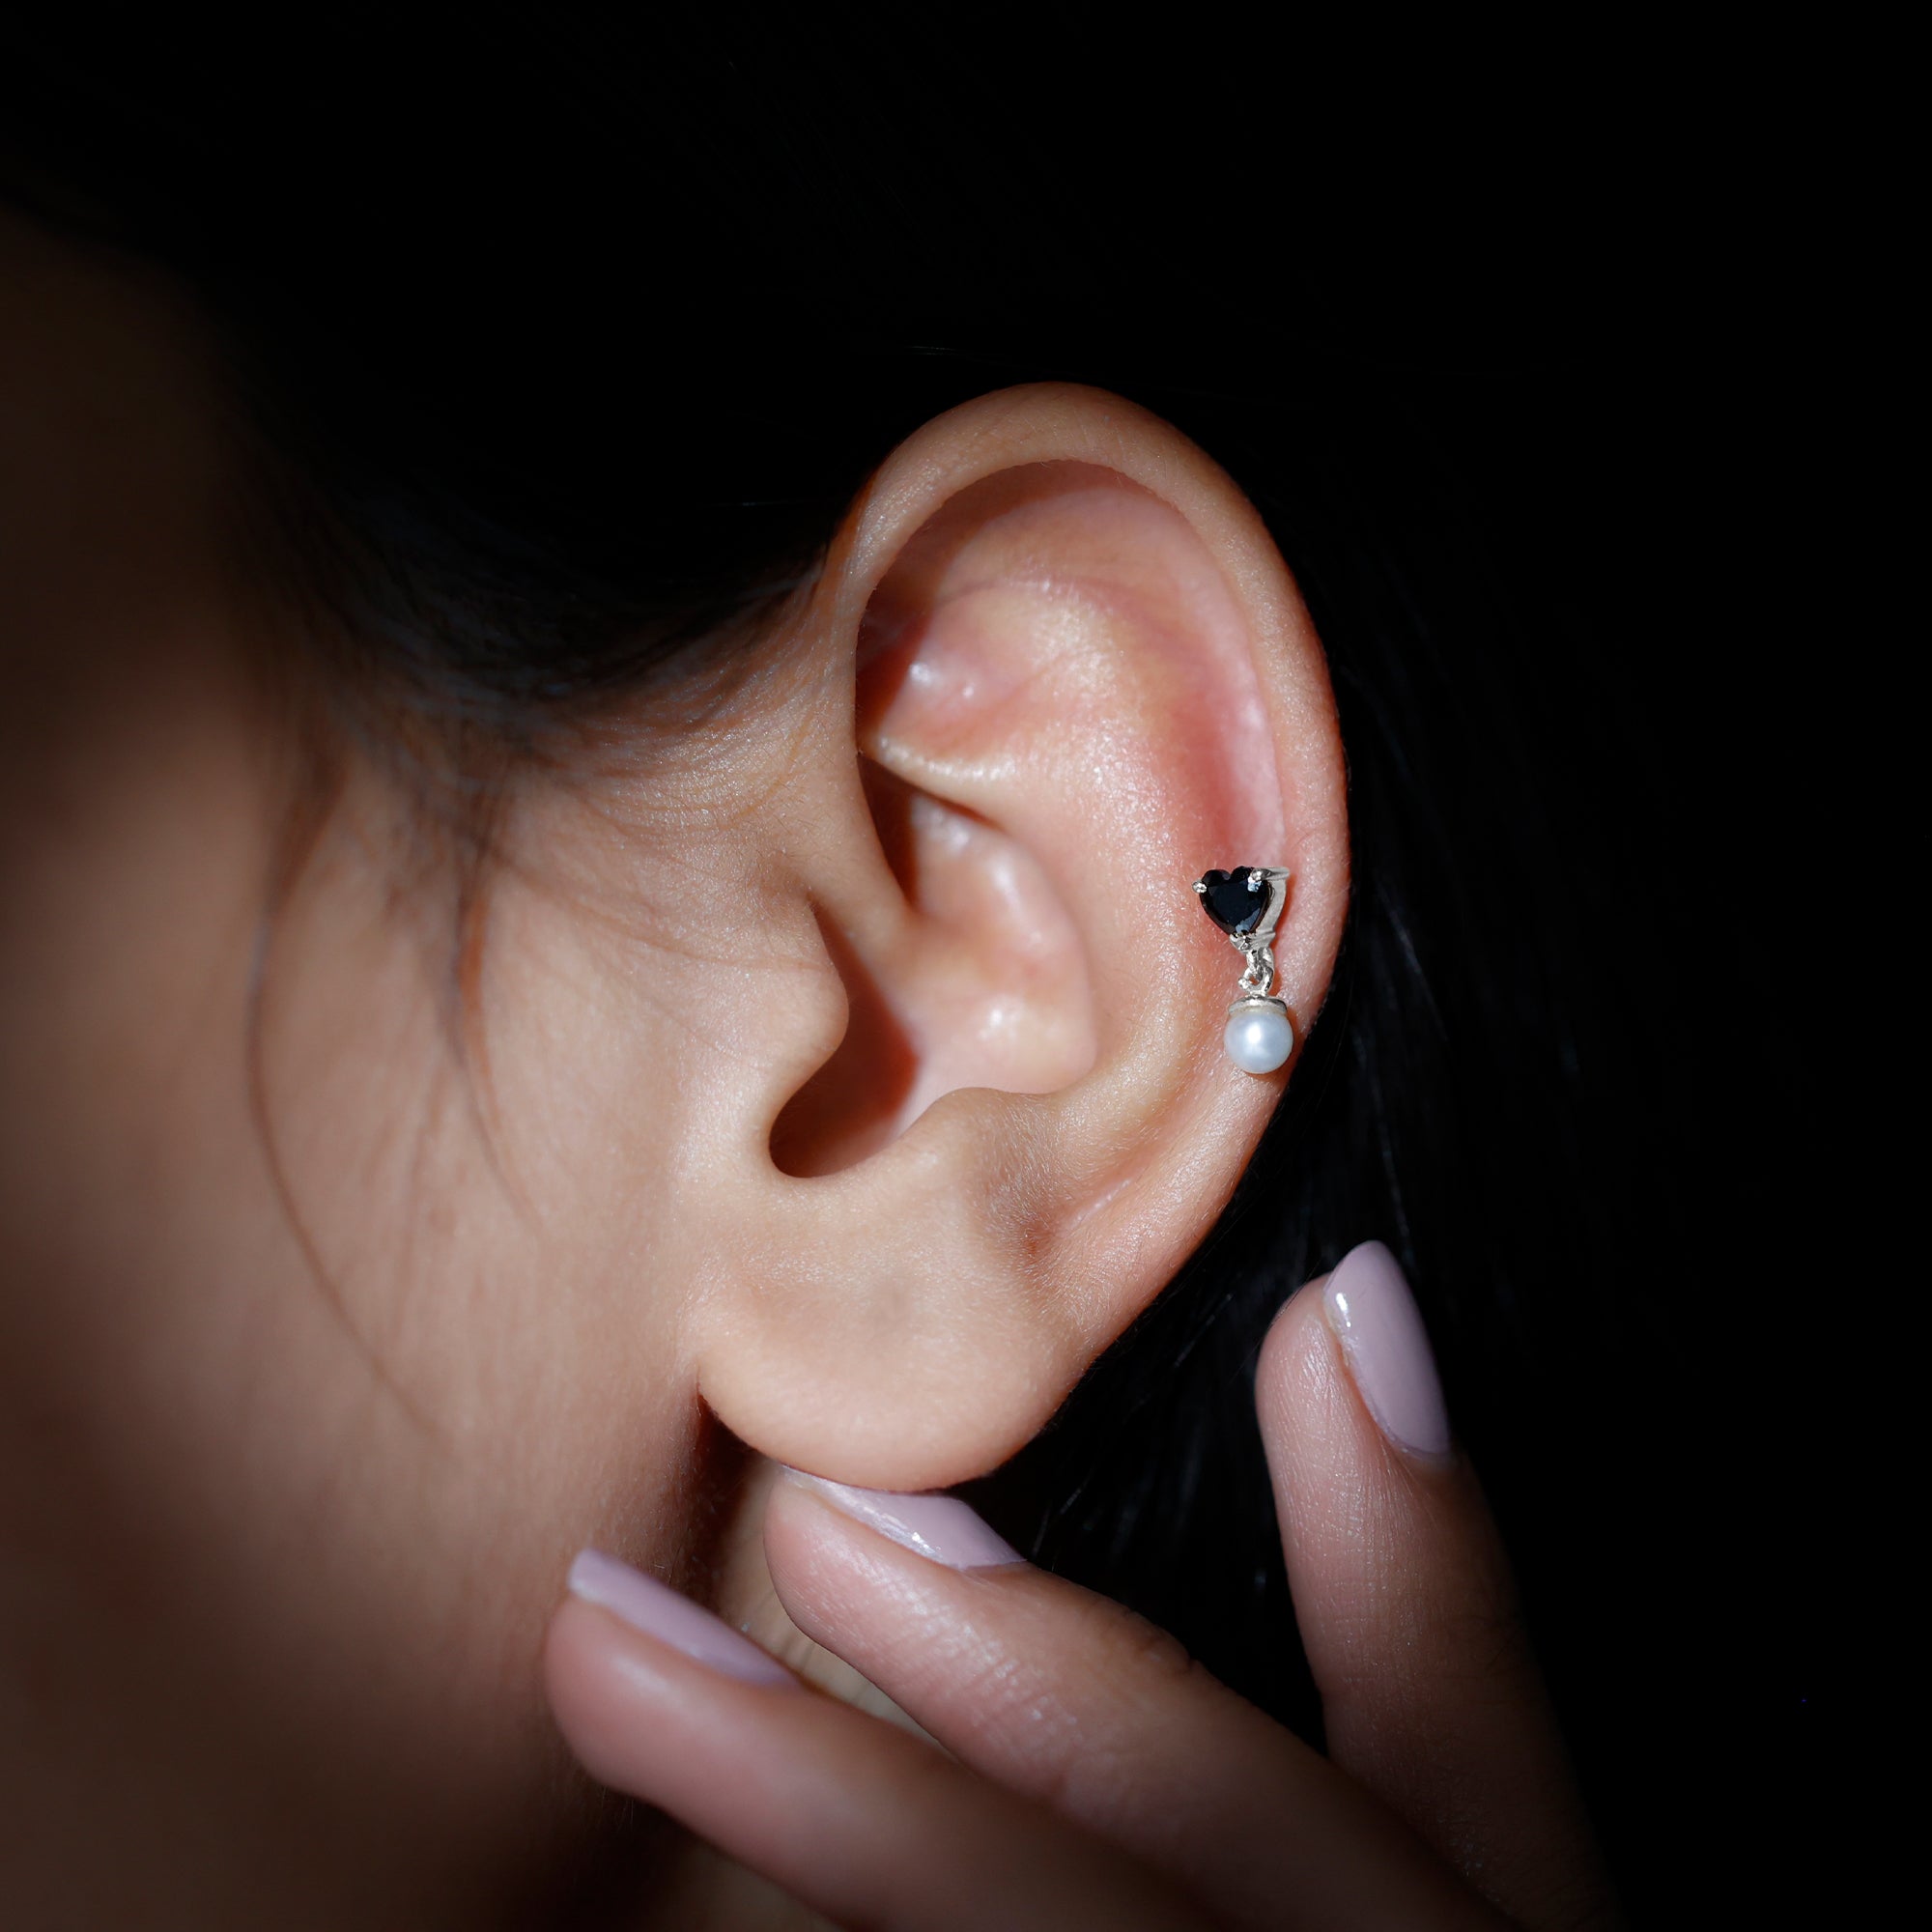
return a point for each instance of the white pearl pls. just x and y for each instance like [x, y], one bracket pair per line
[1259, 1040]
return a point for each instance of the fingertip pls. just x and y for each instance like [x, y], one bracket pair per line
[1293, 1348]
[649, 1715]
[579, 1669]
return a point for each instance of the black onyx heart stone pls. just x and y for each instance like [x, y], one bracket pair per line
[1231, 903]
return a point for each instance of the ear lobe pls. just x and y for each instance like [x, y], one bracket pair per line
[1080, 678]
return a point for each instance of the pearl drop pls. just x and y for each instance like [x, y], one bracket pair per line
[1259, 1040]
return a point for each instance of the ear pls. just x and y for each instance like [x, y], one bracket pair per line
[1061, 672]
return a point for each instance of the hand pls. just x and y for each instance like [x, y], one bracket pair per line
[1095, 1777]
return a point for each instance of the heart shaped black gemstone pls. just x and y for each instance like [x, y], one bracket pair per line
[1231, 903]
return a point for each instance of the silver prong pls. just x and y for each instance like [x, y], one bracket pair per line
[1200, 886]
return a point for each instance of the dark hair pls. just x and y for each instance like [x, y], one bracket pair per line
[572, 342]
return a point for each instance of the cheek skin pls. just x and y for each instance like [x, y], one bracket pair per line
[278, 1544]
[258, 1505]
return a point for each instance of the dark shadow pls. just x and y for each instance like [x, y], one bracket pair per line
[848, 1108]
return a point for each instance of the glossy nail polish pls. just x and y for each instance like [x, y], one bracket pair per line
[939, 1527]
[659, 1611]
[1375, 1319]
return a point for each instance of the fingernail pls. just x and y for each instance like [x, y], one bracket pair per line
[940, 1527]
[659, 1611]
[1375, 1319]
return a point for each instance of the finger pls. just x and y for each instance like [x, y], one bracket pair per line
[1072, 1701]
[1430, 1695]
[856, 1818]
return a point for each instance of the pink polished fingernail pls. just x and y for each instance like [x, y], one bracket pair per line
[659, 1611]
[1379, 1327]
[938, 1526]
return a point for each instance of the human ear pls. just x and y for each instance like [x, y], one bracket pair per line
[1060, 670]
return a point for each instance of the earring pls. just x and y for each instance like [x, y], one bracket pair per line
[1245, 904]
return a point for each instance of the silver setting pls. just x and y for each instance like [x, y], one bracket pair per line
[1257, 1002]
[1257, 948]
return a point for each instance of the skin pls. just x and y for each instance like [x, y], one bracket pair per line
[299, 1428]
